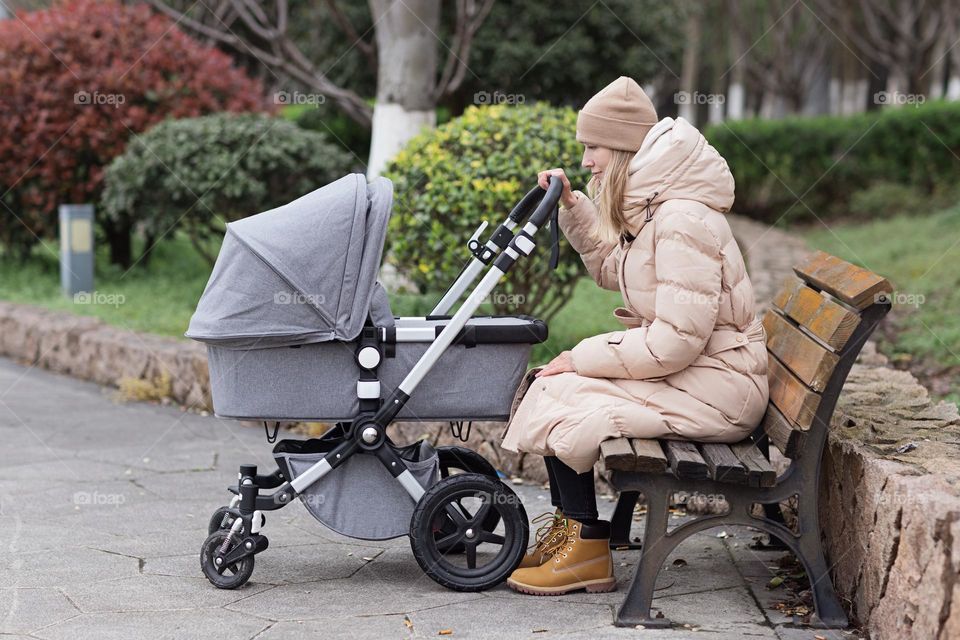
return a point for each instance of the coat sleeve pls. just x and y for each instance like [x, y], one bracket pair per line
[598, 257]
[688, 270]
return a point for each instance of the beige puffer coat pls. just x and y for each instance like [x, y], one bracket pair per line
[691, 362]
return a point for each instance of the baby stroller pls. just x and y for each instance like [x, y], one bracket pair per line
[297, 327]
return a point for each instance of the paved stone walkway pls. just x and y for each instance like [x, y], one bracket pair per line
[103, 507]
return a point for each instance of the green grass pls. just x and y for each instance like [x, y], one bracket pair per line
[161, 297]
[920, 255]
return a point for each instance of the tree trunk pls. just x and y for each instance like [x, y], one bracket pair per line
[119, 239]
[736, 92]
[936, 72]
[406, 75]
[817, 101]
[773, 106]
[897, 85]
[691, 68]
[953, 82]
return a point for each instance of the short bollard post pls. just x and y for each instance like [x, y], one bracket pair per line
[76, 248]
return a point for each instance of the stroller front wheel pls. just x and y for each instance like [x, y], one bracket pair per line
[230, 577]
[451, 536]
[221, 519]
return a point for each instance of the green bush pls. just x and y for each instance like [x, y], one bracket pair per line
[477, 167]
[797, 168]
[199, 173]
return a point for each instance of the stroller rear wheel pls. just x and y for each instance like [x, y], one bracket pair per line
[459, 506]
[461, 459]
[454, 460]
[232, 576]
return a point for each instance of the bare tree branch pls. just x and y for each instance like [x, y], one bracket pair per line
[470, 17]
[900, 35]
[270, 44]
[367, 47]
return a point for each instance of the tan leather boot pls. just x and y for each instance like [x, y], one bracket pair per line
[551, 534]
[582, 562]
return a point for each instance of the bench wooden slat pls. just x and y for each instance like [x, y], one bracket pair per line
[650, 457]
[760, 473]
[634, 454]
[796, 401]
[810, 361]
[685, 461]
[847, 282]
[618, 454]
[829, 321]
[784, 435]
[722, 464]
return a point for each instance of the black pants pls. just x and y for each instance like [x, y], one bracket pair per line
[572, 492]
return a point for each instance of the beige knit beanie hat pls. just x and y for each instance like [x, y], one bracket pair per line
[618, 117]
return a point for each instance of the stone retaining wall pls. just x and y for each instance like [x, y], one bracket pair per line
[891, 478]
[90, 349]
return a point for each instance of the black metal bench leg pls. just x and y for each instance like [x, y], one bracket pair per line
[656, 547]
[829, 611]
[771, 510]
[622, 521]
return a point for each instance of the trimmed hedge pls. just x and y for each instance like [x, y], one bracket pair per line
[477, 167]
[198, 173]
[792, 169]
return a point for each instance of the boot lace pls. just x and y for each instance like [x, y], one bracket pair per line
[550, 535]
[569, 535]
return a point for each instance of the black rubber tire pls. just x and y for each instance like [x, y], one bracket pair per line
[216, 520]
[466, 461]
[463, 459]
[431, 556]
[234, 576]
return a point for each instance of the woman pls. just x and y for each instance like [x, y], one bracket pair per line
[691, 360]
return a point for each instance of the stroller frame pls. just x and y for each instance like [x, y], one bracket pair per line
[366, 434]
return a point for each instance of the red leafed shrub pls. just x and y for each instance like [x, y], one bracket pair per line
[76, 82]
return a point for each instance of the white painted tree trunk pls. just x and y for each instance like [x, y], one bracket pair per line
[854, 96]
[736, 101]
[836, 96]
[406, 75]
[896, 86]
[772, 106]
[953, 82]
[392, 127]
[953, 86]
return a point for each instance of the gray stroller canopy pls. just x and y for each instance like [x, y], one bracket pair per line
[302, 273]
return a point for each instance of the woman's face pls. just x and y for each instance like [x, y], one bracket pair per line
[596, 159]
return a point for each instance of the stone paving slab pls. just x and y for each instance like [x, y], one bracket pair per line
[103, 508]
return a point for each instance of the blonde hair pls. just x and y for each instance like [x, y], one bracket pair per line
[608, 196]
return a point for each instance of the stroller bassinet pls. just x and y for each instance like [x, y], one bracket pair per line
[298, 328]
[290, 295]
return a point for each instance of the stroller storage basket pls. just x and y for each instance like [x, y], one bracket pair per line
[474, 379]
[361, 499]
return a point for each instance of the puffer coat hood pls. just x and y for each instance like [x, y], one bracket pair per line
[676, 162]
[691, 361]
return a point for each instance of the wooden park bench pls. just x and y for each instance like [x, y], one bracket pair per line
[816, 327]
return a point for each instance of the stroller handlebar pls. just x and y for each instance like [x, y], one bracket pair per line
[545, 200]
[542, 202]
